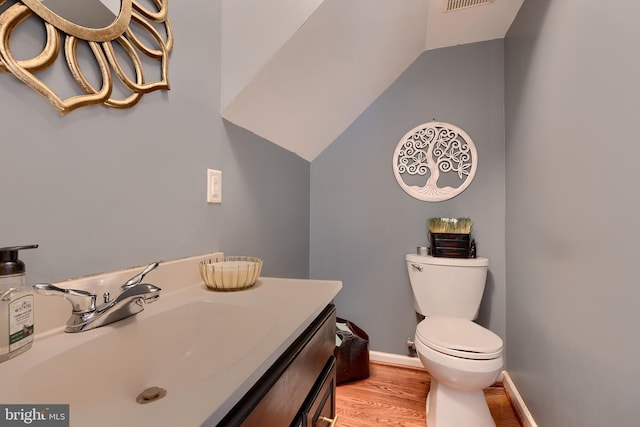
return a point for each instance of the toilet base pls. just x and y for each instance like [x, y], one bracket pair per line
[448, 407]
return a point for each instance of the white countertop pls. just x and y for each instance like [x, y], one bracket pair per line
[294, 304]
[290, 305]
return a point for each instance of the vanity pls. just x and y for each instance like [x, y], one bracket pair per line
[299, 388]
[261, 356]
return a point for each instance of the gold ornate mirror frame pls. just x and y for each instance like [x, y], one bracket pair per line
[61, 32]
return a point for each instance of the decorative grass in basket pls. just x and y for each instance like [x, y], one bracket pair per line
[450, 237]
[230, 273]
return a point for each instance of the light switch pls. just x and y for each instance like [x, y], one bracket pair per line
[214, 186]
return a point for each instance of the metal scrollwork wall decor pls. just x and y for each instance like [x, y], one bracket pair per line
[105, 26]
[435, 161]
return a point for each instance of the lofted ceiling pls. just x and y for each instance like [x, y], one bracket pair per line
[299, 72]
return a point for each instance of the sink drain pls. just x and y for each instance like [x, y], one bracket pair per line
[151, 394]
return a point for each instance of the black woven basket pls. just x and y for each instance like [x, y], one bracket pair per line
[450, 245]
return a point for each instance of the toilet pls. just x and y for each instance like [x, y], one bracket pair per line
[462, 357]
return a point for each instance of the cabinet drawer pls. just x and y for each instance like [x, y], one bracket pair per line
[320, 408]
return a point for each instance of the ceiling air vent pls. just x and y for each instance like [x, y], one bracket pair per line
[453, 5]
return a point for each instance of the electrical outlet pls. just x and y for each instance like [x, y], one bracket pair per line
[214, 186]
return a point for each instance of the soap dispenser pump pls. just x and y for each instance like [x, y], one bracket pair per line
[16, 304]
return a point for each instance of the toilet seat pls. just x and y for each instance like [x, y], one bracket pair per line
[459, 338]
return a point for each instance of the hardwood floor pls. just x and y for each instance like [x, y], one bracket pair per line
[395, 396]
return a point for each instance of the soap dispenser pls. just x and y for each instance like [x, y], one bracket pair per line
[16, 304]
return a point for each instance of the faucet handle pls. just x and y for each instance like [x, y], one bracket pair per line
[137, 279]
[82, 301]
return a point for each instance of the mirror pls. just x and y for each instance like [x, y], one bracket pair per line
[121, 35]
[91, 14]
[93, 20]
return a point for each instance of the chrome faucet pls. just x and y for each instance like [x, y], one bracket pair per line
[85, 315]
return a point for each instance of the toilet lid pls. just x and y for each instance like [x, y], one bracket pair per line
[459, 338]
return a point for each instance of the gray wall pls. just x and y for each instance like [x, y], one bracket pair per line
[104, 189]
[363, 223]
[572, 103]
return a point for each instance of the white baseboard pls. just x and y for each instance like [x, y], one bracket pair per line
[397, 359]
[517, 401]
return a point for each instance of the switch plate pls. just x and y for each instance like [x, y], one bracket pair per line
[214, 186]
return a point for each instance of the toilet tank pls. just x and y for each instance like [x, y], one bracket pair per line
[447, 286]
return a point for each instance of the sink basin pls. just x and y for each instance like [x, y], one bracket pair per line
[172, 350]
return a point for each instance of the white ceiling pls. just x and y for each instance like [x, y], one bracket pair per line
[470, 25]
[299, 77]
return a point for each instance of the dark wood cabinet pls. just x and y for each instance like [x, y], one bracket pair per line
[299, 388]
